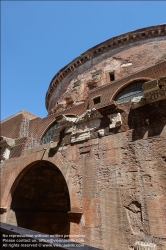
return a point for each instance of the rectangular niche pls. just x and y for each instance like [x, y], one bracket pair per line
[97, 100]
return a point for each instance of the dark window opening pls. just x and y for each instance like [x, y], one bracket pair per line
[96, 100]
[112, 76]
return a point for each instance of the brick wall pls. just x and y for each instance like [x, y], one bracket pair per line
[109, 91]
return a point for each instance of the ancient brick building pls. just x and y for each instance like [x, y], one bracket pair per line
[96, 165]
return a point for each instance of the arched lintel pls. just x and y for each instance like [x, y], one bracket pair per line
[28, 167]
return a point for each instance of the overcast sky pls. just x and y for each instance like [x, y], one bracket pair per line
[38, 38]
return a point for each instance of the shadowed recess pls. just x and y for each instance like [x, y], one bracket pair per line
[41, 200]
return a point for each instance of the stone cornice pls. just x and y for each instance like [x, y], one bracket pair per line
[112, 43]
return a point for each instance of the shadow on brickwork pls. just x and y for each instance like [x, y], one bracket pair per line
[148, 120]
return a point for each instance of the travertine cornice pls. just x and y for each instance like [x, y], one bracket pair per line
[118, 41]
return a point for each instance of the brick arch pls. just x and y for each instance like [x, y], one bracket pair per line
[13, 170]
[128, 83]
[40, 193]
[26, 168]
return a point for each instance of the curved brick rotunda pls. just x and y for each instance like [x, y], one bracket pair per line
[96, 165]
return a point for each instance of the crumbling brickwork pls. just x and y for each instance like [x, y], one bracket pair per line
[103, 172]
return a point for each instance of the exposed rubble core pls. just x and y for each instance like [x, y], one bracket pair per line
[96, 165]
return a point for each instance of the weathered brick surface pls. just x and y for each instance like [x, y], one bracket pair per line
[123, 55]
[108, 187]
[108, 92]
[116, 182]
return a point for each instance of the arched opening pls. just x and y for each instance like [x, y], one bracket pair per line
[49, 134]
[41, 200]
[134, 89]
